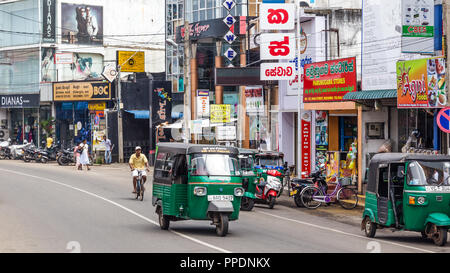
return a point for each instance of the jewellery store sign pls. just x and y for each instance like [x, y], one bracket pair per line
[82, 91]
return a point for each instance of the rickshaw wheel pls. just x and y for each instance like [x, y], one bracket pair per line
[222, 226]
[440, 237]
[164, 223]
[247, 204]
[370, 228]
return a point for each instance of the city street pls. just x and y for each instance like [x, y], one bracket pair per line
[48, 208]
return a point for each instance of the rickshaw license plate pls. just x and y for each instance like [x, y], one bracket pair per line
[220, 197]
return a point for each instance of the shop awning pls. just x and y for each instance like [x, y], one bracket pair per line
[371, 95]
[139, 114]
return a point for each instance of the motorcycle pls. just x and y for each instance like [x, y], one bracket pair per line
[5, 150]
[267, 191]
[316, 178]
[17, 150]
[33, 154]
[65, 157]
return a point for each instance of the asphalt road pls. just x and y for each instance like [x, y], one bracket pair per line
[48, 208]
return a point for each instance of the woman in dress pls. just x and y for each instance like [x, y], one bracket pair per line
[84, 159]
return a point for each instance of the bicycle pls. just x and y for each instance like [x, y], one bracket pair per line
[313, 197]
[139, 186]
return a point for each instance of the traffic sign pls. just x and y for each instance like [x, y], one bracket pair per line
[443, 120]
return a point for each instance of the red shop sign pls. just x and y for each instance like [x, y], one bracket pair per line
[329, 80]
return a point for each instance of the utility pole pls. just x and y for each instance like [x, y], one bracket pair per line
[445, 46]
[119, 109]
[186, 81]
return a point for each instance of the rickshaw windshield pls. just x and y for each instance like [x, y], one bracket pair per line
[246, 163]
[428, 173]
[214, 165]
[270, 161]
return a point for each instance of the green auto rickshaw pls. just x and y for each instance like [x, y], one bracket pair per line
[270, 160]
[408, 192]
[197, 182]
[249, 177]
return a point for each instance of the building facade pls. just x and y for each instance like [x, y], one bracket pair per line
[53, 55]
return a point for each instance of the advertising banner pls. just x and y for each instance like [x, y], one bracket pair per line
[49, 21]
[48, 69]
[81, 91]
[418, 26]
[421, 83]
[203, 103]
[220, 113]
[131, 63]
[277, 17]
[254, 100]
[161, 113]
[81, 24]
[278, 46]
[329, 80]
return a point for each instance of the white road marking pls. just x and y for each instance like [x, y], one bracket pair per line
[344, 233]
[122, 207]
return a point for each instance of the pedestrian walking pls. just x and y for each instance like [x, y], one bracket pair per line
[84, 158]
[107, 143]
[77, 153]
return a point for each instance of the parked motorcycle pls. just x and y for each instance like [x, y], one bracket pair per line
[17, 150]
[65, 157]
[316, 178]
[5, 150]
[267, 191]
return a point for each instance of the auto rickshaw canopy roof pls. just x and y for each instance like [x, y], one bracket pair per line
[270, 153]
[244, 151]
[387, 158]
[186, 148]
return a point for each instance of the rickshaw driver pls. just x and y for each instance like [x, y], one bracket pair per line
[139, 162]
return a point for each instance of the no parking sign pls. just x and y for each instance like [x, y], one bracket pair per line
[443, 120]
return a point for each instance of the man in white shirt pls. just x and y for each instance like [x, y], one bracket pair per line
[107, 144]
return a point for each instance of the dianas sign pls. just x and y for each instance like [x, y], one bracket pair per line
[19, 101]
[330, 80]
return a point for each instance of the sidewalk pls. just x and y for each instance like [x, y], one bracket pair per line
[334, 211]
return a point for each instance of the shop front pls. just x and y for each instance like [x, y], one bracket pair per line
[335, 123]
[19, 118]
[80, 112]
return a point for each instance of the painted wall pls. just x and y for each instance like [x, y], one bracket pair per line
[373, 145]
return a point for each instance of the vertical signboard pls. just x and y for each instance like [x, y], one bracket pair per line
[203, 103]
[49, 21]
[254, 100]
[418, 26]
[306, 143]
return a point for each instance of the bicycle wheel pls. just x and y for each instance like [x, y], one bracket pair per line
[308, 197]
[138, 188]
[347, 198]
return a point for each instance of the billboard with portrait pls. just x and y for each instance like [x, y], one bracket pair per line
[81, 24]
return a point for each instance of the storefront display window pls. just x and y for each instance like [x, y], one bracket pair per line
[73, 123]
[416, 119]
